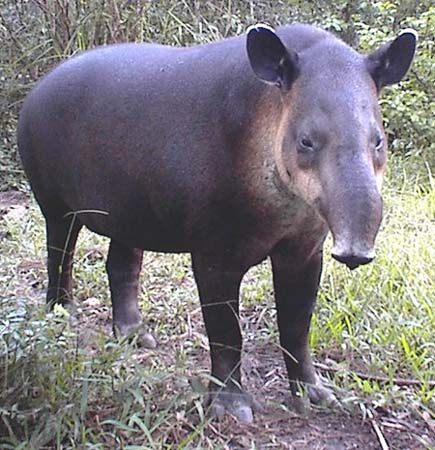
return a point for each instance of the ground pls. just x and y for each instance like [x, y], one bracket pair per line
[182, 344]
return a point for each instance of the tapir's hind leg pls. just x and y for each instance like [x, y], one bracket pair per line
[218, 287]
[62, 233]
[123, 269]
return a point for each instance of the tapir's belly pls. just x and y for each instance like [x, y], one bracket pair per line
[132, 201]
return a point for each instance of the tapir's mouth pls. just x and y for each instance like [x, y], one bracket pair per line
[353, 261]
[352, 258]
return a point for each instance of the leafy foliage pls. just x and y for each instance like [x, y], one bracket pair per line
[37, 34]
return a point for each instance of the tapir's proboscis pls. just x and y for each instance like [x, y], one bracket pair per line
[251, 147]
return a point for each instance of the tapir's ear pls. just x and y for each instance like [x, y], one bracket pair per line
[389, 64]
[269, 58]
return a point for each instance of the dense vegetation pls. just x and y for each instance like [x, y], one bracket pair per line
[64, 384]
[35, 35]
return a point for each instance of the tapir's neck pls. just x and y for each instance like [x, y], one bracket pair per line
[257, 163]
[260, 168]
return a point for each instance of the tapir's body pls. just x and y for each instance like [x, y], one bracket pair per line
[187, 150]
[163, 140]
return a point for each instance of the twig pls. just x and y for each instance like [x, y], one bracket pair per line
[379, 378]
[429, 421]
[15, 40]
[376, 427]
[395, 426]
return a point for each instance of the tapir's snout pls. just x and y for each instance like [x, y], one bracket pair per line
[353, 259]
[354, 218]
[355, 246]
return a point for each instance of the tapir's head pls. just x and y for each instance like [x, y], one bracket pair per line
[330, 145]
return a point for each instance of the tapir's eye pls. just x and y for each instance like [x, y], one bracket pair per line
[306, 144]
[379, 142]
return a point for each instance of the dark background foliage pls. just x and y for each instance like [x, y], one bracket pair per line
[35, 35]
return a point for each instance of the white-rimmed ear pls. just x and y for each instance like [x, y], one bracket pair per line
[270, 60]
[390, 63]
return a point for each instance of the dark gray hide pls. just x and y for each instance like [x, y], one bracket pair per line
[235, 151]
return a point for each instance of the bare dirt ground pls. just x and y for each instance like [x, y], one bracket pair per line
[277, 426]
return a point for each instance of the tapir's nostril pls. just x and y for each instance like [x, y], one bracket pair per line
[352, 261]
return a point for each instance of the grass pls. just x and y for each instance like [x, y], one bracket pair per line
[66, 383]
[382, 320]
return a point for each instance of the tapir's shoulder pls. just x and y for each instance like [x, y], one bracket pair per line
[300, 37]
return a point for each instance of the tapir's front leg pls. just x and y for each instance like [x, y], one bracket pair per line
[218, 286]
[296, 282]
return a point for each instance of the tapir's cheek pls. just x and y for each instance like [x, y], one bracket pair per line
[308, 185]
[305, 160]
[302, 174]
[379, 161]
[379, 179]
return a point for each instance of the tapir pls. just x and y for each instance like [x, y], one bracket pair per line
[234, 151]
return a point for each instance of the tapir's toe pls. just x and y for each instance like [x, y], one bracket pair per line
[145, 339]
[238, 404]
[321, 395]
[316, 394]
[136, 334]
[241, 411]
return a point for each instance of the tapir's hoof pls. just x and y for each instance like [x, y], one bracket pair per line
[321, 395]
[238, 404]
[145, 339]
[137, 335]
[316, 394]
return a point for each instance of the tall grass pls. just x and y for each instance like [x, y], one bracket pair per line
[65, 383]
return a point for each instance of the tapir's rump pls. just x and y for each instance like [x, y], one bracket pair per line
[235, 151]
